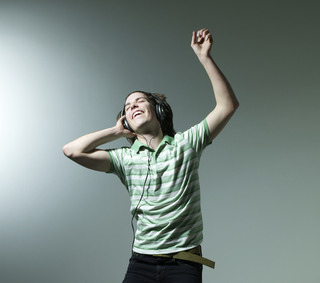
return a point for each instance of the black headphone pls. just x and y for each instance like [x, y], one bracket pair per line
[160, 110]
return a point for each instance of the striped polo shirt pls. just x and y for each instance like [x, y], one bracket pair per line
[163, 185]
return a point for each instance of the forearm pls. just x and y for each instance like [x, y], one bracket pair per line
[223, 92]
[89, 142]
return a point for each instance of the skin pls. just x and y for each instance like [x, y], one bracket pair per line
[146, 126]
[226, 101]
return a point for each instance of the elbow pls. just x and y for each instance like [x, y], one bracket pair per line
[68, 151]
[236, 105]
[233, 107]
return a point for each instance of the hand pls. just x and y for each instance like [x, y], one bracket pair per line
[122, 130]
[201, 43]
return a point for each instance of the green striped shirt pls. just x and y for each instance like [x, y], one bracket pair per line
[163, 185]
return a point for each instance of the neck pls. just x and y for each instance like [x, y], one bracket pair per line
[151, 140]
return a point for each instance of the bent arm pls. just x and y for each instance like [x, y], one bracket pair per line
[84, 150]
[226, 101]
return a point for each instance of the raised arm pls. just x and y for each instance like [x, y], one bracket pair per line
[226, 101]
[84, 150]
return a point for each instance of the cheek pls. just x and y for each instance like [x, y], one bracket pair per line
[128, 115]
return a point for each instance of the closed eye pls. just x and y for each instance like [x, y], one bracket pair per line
[138, 100]
[142, 99]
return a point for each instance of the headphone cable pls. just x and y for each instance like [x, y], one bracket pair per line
[144, 184]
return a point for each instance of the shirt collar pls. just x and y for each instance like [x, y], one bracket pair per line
[137, 145]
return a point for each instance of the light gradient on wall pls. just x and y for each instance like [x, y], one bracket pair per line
[65, 68]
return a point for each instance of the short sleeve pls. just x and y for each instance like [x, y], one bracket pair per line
[117, 163]
[198, 136]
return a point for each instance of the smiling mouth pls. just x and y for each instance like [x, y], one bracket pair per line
[137, 113]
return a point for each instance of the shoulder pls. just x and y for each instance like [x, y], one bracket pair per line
[119, 155]
[200, 129]
[198, 136]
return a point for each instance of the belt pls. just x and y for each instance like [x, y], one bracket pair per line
[194, 255]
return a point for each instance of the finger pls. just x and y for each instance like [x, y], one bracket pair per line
[194, 38]
[122, 118]
[204, 32]
[208, 37]
[199, 37]
[201, 31]
[199, 34]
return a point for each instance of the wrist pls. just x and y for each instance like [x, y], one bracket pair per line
[205, 58]
[116, 132]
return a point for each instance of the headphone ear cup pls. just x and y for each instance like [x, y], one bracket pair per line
[160, 112]
[125, 122]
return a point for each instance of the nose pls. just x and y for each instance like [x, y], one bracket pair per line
[133, 105]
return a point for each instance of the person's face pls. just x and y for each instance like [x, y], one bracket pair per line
[139, 111]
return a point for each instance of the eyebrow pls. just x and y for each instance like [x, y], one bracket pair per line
[136, 100]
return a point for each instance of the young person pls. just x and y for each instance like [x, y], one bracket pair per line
[160, 172]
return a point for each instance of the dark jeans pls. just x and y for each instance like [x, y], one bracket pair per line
[150, 269]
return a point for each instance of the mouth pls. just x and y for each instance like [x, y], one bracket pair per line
[137, 113]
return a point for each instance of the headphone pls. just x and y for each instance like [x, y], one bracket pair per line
[160, 108]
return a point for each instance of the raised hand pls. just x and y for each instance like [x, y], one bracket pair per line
[201, 43]
[122, 130]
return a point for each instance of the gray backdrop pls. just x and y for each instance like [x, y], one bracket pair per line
[65, 69]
